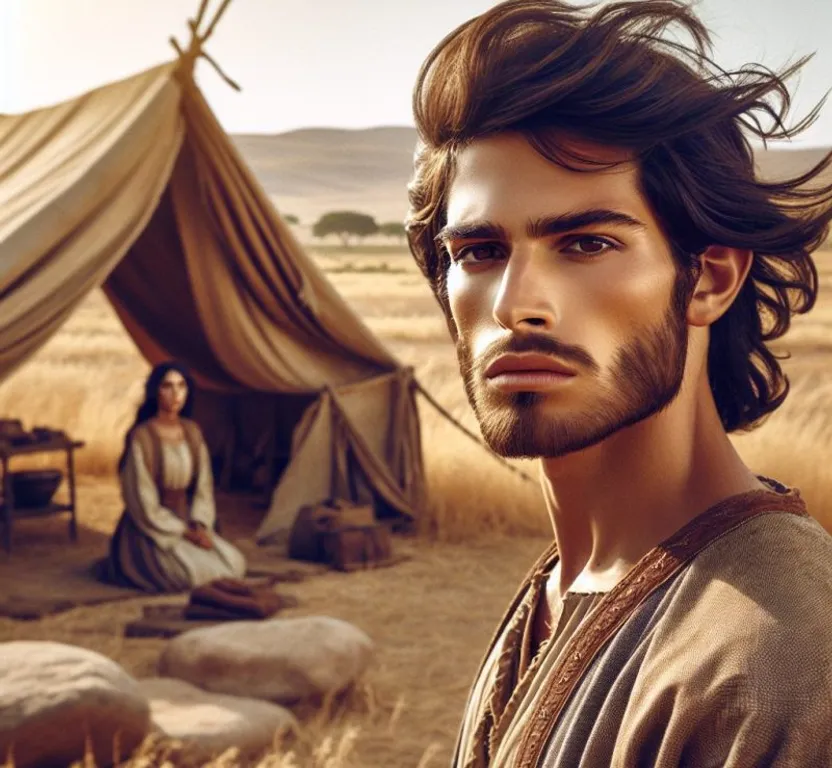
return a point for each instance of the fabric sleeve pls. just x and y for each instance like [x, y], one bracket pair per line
[733, 726]
[763, 740]
[141, 499]
[739, 667]
[203, 508]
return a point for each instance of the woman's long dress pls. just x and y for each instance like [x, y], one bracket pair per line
[149, 550]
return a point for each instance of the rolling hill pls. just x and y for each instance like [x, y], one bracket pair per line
[310, 171]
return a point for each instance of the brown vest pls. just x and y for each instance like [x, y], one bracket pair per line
[178, 501]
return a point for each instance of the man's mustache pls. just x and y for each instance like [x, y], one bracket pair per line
[540, 344]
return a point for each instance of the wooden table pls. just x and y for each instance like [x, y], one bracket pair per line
[52, 445]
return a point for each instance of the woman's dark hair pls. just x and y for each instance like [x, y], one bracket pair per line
[548, 70]
[150, 405]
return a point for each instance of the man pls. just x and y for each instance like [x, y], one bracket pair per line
[586, 210]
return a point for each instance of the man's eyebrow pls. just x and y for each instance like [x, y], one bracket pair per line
[555, 225]
[475, 230]
[538, 228]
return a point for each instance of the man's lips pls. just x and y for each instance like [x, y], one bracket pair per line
[528, 364]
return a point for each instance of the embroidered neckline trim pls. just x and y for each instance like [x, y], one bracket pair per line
[610, 613]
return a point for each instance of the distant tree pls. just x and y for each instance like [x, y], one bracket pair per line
[393, 229]
[290, 218]
[345, 224]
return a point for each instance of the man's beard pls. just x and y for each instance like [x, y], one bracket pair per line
[644, 379]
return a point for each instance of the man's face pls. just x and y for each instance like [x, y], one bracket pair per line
[561, 288]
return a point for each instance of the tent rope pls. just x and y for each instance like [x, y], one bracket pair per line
[444, 412]
[196, 47]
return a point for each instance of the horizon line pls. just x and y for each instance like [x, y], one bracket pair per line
[786, 144]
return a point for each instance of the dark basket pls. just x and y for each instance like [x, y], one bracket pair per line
[35, 487]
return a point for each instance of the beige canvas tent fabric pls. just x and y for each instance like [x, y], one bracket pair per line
[78, 183]
[135, 187]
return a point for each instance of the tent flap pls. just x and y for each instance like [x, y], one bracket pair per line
[136, 187]
[351, 436]
[72, 207]
[246, 271]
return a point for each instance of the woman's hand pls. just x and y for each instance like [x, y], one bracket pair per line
[198, 536]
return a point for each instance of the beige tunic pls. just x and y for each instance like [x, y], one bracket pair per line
[714, 651]
[149, 549]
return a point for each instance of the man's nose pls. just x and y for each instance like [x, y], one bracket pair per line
[524, 300]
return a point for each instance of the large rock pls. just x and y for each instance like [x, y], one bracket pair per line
[282, 660]
[210, 723]
[55, 696]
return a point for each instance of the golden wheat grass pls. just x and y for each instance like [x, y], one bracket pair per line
[430, 616]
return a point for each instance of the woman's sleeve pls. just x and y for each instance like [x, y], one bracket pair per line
[203, 508]
[141, 498]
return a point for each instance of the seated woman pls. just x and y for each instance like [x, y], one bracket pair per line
[165, 540]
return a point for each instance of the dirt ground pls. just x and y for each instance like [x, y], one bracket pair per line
[430, 617]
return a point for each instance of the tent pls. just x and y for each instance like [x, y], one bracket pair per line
[135, 187]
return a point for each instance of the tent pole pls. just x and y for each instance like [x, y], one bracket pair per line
[469, 433]
[200, 14]
[215, 20]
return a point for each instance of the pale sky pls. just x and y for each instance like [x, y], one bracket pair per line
[338, 63]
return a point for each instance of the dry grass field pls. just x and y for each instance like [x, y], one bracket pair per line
[483, 527]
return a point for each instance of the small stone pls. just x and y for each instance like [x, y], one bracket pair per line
[208, 724]
[282, 660]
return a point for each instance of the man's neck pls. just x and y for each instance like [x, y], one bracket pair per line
[614, 502]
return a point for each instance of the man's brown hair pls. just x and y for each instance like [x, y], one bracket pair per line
[546, 69]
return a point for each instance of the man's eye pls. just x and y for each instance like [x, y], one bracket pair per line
[477, 253]
[590, 246]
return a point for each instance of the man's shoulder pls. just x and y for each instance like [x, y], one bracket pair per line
[776, 548]
[770, 577]
[750, 614]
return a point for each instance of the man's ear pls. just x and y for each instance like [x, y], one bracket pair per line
[723, 272]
